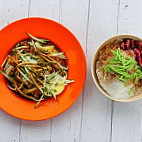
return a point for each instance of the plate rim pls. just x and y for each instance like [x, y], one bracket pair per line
[85, 65]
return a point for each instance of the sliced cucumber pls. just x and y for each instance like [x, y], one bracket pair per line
[48, 48]
[57, 89]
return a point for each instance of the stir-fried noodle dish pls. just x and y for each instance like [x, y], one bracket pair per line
[35, 69]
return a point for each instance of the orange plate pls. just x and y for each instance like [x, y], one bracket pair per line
[66, 41]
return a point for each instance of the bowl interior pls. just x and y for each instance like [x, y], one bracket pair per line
[66, 41]
[94, 75]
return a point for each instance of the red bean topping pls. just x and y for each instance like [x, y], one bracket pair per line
[141, 52]
[128, 44]
[137, 52]
[139, 44]
[132, 44]
[122, 45]
[140, 62]
[136, 47]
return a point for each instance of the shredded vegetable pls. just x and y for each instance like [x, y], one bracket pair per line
[125, 68]
[36, 69]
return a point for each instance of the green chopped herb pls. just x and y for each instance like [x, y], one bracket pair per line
[125, 68]
[131, 90]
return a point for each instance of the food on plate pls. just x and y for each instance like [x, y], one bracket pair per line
[36, 69]
[119, 68]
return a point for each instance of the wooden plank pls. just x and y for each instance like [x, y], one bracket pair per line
[97, 109]
[10, 11]
[130, 20]
[39, 131]
[73, 15]
[36, 131]
[127, 116]
[9, 128]
[66, 127]
[126, 122]
[45, 8]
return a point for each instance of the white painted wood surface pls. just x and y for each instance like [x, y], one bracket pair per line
[93, 118]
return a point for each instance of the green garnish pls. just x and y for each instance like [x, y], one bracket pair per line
[131, 90]
[37, 39]
[38, 101]
[125, 68]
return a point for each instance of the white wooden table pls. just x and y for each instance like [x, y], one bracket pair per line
[93, 118]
